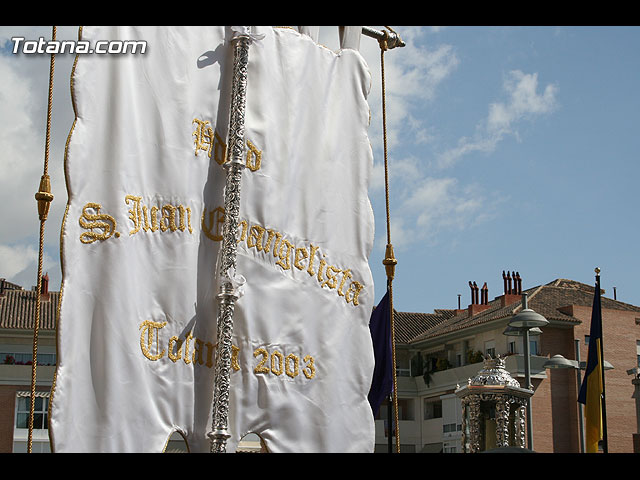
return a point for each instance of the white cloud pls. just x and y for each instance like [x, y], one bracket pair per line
[413, 74]
[402, 236]
[14, 260]
[23, 112]
[19, 264]
[523, 102]
[21, 145]
[441, 203]
[402, 172]
[423, 207]
[431, 206]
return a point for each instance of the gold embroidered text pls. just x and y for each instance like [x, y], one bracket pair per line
[213, 223]
[100, 221]
[189, 349]
[207, 140]
[169, 217]
[192, 350]
[279, 364]
[301, 258]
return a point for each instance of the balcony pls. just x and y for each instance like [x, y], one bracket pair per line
[21, 374]
[447, 380]
[418, 433]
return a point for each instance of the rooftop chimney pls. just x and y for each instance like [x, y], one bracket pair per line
[44, 289]
[478, 305]
[474, 293]
[512, 288]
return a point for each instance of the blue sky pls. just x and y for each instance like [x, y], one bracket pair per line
[510, 148]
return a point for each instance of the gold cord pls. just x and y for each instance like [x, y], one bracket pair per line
[389, 260]
[44, 198]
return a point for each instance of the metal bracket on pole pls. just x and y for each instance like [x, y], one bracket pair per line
[392, 39]
[228, 293]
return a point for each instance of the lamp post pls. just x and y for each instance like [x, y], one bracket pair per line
[526, 320]
[558, 361]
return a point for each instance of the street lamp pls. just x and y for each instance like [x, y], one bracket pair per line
[526, 320]
[558, 361]
[518, 332]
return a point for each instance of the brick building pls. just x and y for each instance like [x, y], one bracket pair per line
[17, 314]
[438, 352]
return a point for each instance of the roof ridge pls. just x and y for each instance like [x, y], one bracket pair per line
[529, 297]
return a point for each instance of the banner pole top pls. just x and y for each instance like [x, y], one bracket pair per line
[389, 39]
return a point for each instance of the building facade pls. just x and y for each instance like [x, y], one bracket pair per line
[436, 353]
[17, 314]
[439, 352]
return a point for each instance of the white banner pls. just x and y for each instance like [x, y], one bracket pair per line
[143, 229]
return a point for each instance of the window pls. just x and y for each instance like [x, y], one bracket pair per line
[405, 409]
[512, 345]
[40, 440]
[490, 348]
[40, 410]
[450, 447]
[449, 428]
[533, 346]
[432, 408]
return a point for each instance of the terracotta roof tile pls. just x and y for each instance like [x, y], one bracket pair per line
[545, 299]
[18, 309]
[409, 325]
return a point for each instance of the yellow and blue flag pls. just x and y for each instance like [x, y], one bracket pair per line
[592, 388]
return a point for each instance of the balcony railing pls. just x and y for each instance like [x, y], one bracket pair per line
[448, 379]
[26, 358]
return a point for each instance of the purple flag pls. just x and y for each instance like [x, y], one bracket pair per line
[380, 327]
